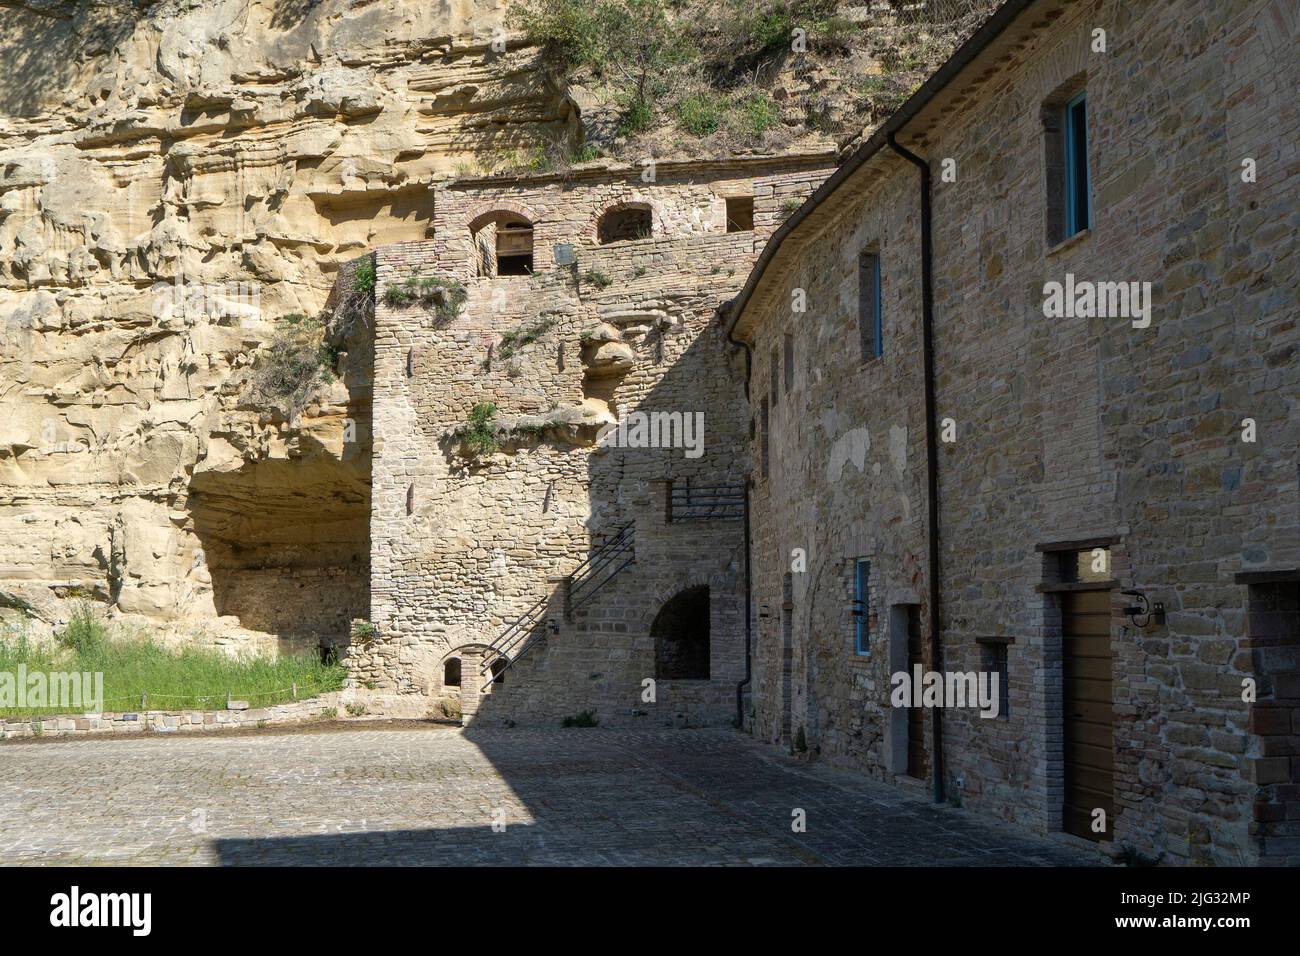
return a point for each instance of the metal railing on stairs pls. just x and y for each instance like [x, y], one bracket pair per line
[523, 633]
[594, 573]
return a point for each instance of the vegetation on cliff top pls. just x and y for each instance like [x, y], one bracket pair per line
[743, 75]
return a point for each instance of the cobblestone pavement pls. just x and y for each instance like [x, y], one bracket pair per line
[431, 795]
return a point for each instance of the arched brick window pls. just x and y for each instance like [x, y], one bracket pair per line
[681, 635]
[502, 244]
[632, 220]
[451, 673]
[498, 669]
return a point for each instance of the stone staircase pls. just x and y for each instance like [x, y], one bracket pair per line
[524, 633]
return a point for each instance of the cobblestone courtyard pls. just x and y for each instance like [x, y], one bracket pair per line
[431, 795]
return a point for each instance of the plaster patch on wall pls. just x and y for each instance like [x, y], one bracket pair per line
[851, 446]
[898, 448]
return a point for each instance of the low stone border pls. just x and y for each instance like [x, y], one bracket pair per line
[173, 721]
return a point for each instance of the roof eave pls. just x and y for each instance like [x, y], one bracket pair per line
[978, 41]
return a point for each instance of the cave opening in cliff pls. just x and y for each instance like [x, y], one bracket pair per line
[287, 547]
[282, 511]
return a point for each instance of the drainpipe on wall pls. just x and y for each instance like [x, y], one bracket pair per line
[749, 585]
[749, 577]
[931, 452]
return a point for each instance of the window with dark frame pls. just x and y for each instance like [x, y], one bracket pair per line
[869, 310]
[1068, 179]
[1078, 198]
[862, 607]
[995, 662]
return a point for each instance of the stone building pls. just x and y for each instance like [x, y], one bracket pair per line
[595, 540]
[1099, 503]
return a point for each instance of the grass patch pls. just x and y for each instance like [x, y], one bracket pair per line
[700, 114]
[584, 153]
[756, 114]
[636, 117]
[585, 718]
[185, 679]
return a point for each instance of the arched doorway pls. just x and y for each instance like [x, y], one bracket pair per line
[681, 635]
[502, 244]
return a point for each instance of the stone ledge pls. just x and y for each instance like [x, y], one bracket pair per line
[162, 721]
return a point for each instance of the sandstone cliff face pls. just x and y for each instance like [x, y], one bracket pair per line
[174, 179]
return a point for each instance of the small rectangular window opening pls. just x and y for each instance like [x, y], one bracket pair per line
[869, 308]
[862, 607]
[1078, 200]
[740, 213]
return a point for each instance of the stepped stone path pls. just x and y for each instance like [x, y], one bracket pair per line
[411, 794]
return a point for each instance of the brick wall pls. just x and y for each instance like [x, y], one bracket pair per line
[632, 326]
[1064, 429]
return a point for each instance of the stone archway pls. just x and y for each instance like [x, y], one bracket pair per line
[460, 664]
[501, 243]
[681, 636]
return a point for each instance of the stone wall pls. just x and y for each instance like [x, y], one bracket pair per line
[324, 707]
[631, 326]
[1067, 429]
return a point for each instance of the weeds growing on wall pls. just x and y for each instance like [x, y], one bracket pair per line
[599, 279]
[516, 339]
[363, 632]
[444, 296]
[363, 279]
[479, 436]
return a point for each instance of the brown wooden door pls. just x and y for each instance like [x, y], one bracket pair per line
[915, 715]
[1089, 712]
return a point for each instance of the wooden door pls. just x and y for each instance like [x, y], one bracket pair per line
[1089, 712]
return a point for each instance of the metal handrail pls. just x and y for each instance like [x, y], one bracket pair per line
[518, 637]
[590, 569]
